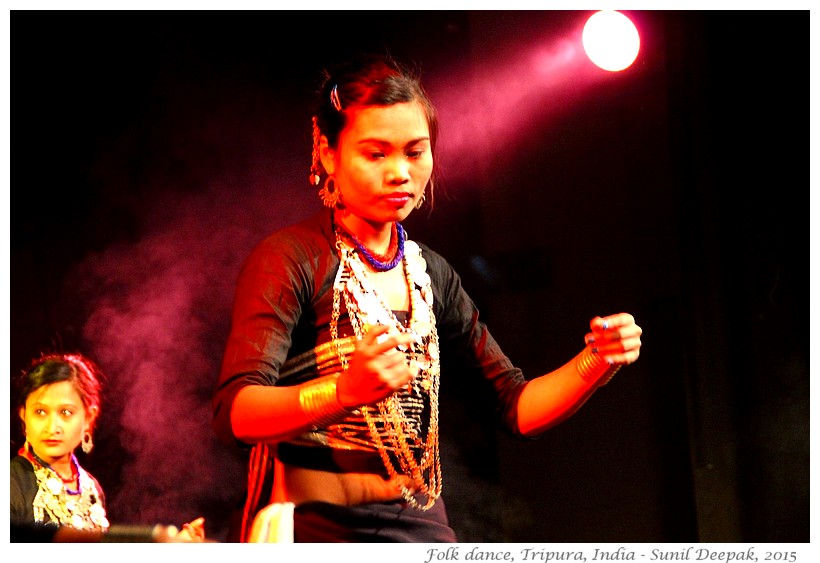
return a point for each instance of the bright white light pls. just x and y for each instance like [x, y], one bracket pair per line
[611, 40]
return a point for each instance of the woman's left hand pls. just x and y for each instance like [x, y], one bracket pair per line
[616, 338]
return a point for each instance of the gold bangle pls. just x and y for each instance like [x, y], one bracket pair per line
[319, 401]
[592, 368]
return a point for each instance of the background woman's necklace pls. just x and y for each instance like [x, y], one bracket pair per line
[28, 452]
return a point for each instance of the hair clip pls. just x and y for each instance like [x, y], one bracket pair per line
[334, 98]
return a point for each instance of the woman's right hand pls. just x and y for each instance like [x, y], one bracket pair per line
[376, 368]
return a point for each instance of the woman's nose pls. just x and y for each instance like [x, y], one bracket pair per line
[54, 425]
[399, 171]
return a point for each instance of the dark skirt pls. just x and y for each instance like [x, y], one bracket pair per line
[321, 522]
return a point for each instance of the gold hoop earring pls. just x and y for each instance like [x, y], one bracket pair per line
[420, 202]
[329, 194]
[87, 443]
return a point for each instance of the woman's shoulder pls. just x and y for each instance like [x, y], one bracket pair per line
[293, 246]
[94, 480]
[20, 464]
[428, 252]
[311, 235]
[437, 265]
[22, 474]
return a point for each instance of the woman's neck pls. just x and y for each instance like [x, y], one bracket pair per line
[381, 255]
[375, 236]
[62, 465]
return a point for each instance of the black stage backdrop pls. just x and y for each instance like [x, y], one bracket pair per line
[152, 150]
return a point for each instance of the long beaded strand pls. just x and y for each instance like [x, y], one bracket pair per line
[391, 413]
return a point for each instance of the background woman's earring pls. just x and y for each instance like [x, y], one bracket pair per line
[329, 194]
[88, 443]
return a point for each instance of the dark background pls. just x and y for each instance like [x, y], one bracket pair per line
[152, 150]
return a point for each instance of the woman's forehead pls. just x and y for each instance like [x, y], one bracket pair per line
[61, 392]
[406, 120]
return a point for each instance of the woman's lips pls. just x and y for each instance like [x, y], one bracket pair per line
[398, 198]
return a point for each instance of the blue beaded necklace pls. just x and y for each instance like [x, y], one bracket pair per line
[375, 263]
[28, 452]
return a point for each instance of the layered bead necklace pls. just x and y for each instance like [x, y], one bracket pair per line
[81, 508]
[392, 430]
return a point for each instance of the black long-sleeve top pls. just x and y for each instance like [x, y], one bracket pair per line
[283, 305]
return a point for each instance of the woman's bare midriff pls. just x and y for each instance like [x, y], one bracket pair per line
[300, 485]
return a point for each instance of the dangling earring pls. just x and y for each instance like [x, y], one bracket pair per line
[329, 194]
[315, 166]
[420, 202]
[87, 443]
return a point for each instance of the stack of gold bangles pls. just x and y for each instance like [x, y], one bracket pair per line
[319, 401]
[593, 368]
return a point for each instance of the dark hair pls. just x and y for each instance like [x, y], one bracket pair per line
[369, 80]
[54, 368]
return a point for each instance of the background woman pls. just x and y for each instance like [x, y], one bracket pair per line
[52, 496]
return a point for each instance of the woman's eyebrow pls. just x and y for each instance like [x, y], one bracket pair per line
[383, 142]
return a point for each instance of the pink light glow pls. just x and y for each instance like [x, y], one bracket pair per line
[499, 100]
[158, 311]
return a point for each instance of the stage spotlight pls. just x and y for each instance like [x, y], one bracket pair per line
[611, 40]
